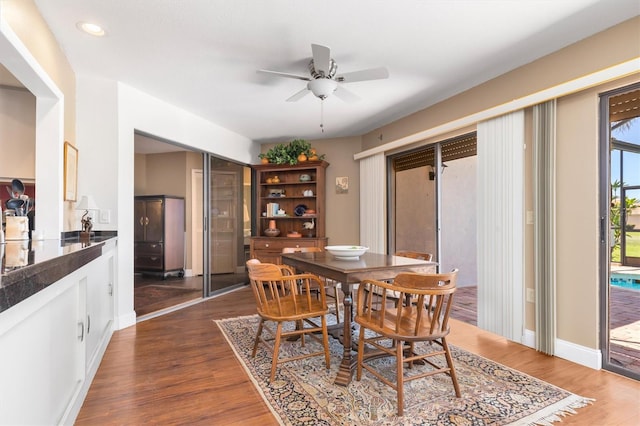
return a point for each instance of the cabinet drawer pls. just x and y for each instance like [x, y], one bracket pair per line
[148, 262]
[280, 243]
[149, 248]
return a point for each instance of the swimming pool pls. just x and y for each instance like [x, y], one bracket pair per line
[626, 280]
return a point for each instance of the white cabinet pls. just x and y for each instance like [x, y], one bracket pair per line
[99, 311]
[52, 342]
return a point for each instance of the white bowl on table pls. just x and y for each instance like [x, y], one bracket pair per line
[347, 252]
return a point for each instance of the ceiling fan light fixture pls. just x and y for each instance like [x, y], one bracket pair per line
[322, 87]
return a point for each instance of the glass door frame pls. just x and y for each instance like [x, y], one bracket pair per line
[604, 187]
[391, 195]
[207, 224]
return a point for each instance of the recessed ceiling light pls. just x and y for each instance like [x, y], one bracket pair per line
[89, 28]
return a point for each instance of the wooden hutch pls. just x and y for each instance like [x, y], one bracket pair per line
[298, 190]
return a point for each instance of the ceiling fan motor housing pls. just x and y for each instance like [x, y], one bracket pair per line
[333, 67]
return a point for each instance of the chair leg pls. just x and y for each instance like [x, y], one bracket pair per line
[300, 326]
[325, 343]
[360, 354]
[400, 377]
[452, 371]
[255, 344]
[276, 351]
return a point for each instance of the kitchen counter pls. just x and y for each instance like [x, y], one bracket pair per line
[29, 266]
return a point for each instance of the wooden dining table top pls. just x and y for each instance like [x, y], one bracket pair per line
[350, 271]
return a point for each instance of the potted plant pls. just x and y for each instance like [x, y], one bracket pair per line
[298, 150]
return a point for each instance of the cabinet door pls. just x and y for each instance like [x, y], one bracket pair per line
[155, 220]
[140, 216]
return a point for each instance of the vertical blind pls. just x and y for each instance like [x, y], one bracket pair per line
[373, 190]
[501, 225]
[544, 228]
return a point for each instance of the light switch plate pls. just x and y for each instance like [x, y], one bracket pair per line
[105, 216]
[531, 295]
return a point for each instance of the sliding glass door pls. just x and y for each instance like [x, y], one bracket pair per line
[413, 191]
[620, 246]
[433, 204]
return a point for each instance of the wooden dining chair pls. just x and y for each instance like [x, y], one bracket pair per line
[414, 255]
[397, 327]
[392, 296]
[328, 282]
[279, 300]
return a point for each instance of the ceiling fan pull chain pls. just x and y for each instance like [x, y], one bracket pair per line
[322, 115]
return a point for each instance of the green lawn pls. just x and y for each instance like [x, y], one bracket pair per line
[633, 246]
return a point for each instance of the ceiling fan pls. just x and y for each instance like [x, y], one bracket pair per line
[323, 80]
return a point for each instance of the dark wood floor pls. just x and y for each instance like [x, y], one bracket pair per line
[153, 294]
[178, 369]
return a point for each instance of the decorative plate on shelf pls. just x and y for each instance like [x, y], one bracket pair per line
[300, 210]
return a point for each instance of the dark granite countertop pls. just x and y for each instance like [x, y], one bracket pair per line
[29, 266]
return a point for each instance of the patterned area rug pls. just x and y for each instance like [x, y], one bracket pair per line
[303, 392]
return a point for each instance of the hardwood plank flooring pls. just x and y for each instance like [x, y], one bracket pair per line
[178, 369]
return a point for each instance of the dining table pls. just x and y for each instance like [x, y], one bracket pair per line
[350, 272]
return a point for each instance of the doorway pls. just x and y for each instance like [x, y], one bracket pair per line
[433, 209]
[216, 227]
[620, 239]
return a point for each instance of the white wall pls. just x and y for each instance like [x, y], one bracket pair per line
[111, 112]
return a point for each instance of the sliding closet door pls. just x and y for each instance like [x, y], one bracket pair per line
[227, 218]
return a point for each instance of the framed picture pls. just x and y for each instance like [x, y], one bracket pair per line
[70, 172]
[342, 185]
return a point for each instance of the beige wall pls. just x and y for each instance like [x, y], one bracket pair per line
[167, 174]
[577, 162]
[24, 19]
[592, 54]
[17, 134]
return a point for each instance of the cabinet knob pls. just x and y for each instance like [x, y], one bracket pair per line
[266, 245]
[297, 245]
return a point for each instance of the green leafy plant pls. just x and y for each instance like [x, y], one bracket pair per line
[288, 153]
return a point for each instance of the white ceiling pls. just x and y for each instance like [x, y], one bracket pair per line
[202, 55]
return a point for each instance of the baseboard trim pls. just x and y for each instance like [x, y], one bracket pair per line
[582, 355]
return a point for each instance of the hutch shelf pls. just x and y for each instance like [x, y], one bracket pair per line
[290, 198]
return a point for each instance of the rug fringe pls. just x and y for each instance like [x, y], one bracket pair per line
[556, 412]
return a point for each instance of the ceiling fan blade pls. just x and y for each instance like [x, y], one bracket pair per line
[298, 95]
[285, 74]
[346, 95]
[321, 58]
[363, 75]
